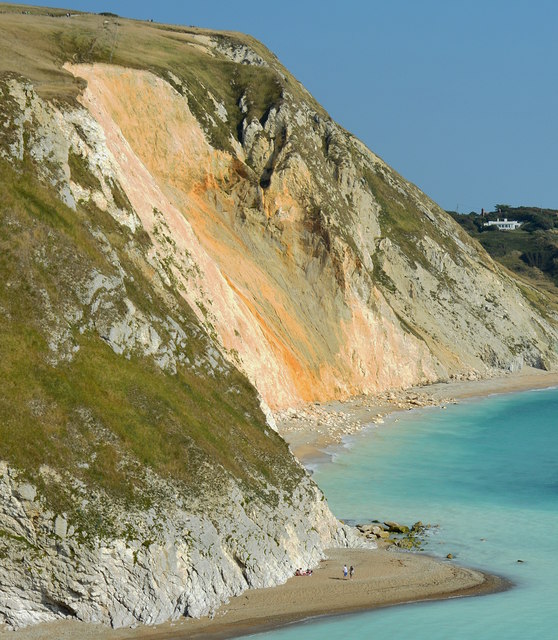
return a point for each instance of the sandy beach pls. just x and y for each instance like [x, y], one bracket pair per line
[382, 578]
[310, 430]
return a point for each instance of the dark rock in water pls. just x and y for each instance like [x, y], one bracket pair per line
[396, 527]
[417, 526]
[450, 556]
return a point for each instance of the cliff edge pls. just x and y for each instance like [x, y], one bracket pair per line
[189, 240]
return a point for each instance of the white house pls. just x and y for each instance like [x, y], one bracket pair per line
[503, 225]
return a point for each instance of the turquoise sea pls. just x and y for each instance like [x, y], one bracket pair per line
[486, 471]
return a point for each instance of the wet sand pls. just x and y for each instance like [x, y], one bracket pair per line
[382, 578]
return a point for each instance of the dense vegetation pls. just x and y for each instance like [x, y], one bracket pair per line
[531, 251]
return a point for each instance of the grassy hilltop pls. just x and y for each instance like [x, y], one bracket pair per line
[38, 44]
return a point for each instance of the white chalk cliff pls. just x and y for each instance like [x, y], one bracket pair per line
[190, 242]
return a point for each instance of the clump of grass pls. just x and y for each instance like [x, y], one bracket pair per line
[81, 173]
[119, 197]
[402, 220]
[83, 45]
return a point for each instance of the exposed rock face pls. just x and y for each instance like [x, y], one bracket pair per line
[161, 232]
[322, 271]
[260, 269]
[176, 559]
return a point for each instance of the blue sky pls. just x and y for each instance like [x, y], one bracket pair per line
[461, 98]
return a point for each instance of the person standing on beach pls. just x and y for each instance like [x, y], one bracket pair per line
[351, 572]
[345, 571]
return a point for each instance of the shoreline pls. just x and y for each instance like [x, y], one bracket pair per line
[310, 430]
[447, 582]
[383, 578]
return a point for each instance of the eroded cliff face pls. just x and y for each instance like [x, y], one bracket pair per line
[164, 230]
[139, 478]
[323, 272]
[282, 292]
[179, 557]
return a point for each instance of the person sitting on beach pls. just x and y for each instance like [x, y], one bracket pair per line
[298, 572]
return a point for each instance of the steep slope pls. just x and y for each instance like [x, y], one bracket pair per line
[322, 272]
[177, 209]
[139, 479]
